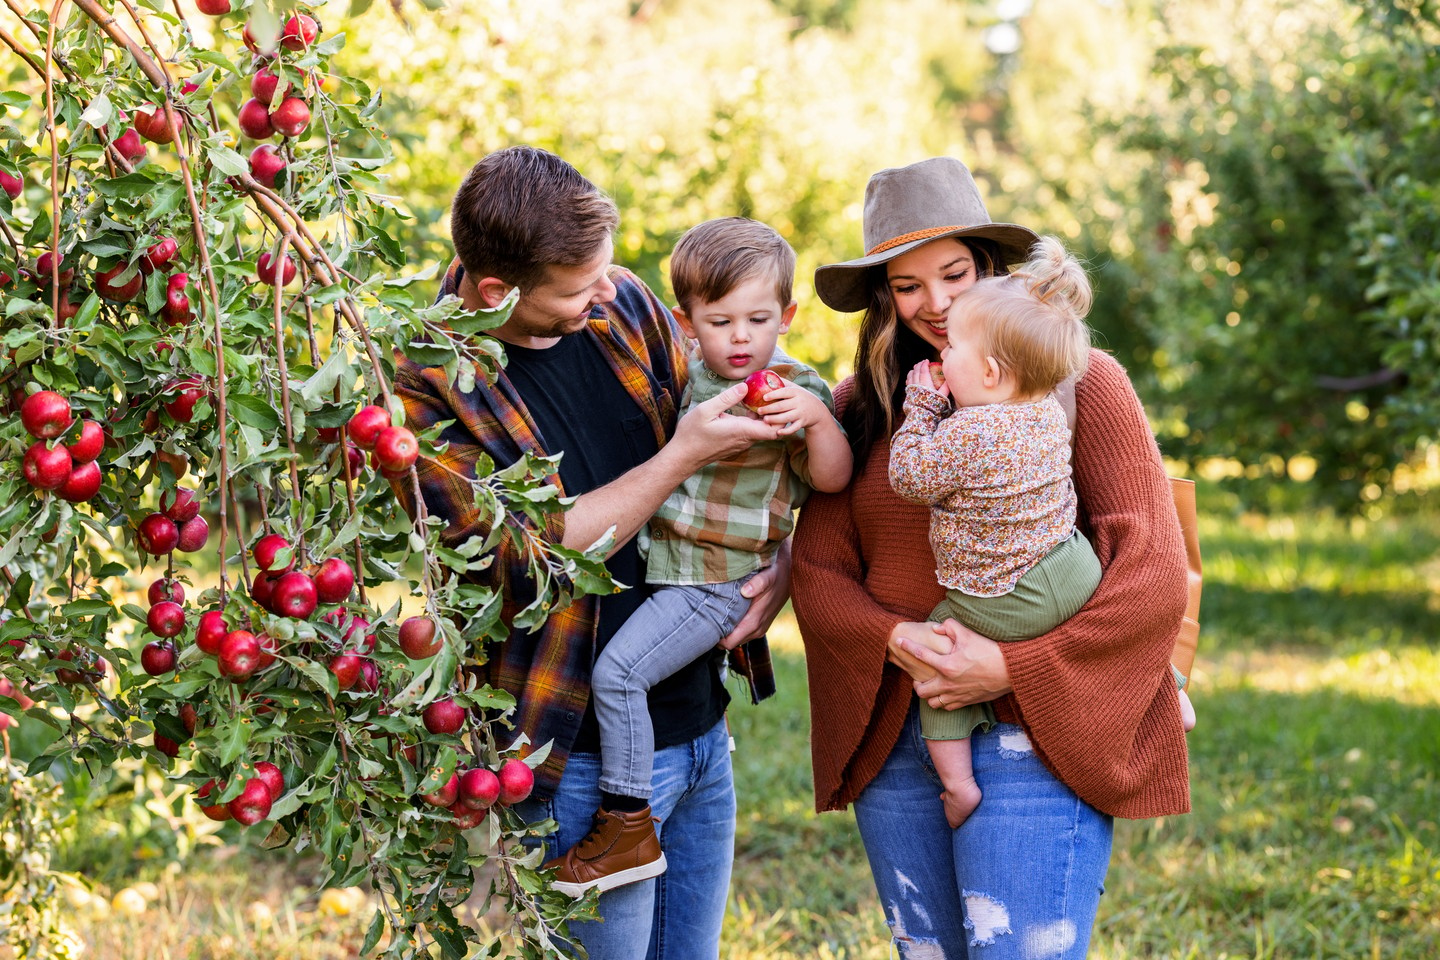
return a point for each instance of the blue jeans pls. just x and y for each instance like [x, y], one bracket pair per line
[675, 624]
[677, 915]
[1021, 878]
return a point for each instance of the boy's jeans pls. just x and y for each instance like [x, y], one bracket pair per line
[673, 627]
[676, 916]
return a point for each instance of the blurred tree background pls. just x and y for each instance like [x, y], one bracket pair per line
[1252, 180]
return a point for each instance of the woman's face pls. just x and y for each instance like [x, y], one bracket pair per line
[925, 281]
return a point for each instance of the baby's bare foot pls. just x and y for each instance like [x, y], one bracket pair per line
[960, 800]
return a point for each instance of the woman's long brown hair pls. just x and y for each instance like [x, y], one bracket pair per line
[886, 350]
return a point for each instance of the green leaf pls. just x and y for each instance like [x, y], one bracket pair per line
[233, 739]
[100, 112]
[447, 933]
[84, 608]
[228, 162]
[254, 412]
[377, 923]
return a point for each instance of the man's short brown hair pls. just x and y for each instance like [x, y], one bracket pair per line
[718, 255]
[522, 209]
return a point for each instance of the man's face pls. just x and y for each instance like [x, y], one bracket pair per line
[560, 304]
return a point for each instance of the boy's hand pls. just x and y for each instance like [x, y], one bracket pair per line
[793, 407]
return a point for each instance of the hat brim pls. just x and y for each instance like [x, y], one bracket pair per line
[841, 286]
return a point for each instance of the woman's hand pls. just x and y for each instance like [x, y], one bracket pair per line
[768, 590]
[971, 670]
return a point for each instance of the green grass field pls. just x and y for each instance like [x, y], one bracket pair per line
[1314, 772]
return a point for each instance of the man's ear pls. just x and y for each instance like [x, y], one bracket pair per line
[492, 290]
[788, 316]
[683, 318]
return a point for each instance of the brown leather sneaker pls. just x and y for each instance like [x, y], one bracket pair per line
[620, 848]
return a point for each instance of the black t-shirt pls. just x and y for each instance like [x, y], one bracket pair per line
[579, 407]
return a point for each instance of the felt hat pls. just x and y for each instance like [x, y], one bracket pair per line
[909, 206]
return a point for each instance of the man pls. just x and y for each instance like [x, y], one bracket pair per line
[595, 369]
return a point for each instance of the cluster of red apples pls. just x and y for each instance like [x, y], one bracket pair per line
[470, 794]
[68, 469]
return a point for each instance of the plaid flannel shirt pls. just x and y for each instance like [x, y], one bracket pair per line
[548, 671]
[729, 517]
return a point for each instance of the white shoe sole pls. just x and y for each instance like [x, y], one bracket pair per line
[645, 871]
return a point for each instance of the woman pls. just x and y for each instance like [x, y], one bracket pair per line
[1089, 725]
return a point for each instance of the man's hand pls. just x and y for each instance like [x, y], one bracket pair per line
[709, 433]
[768, 590]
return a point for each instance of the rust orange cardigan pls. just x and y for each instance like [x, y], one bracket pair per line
[1096, 694]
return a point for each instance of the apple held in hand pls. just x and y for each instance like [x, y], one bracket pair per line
[937, 373]
[758, 384]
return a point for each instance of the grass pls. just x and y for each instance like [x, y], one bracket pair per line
[1315, 774]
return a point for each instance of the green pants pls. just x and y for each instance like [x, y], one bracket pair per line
[1049, 593]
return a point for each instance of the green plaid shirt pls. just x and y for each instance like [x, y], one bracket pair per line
[729, 518]
[547, 671]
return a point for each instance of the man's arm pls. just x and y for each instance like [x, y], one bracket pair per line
[705, 434]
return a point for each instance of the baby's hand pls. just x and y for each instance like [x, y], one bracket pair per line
[927, 374]
[793, 407]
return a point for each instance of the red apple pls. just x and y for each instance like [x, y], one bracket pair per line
[46, 415]
[262, 587]
[266, 162]
[210, 634]
[300, 32]
[193, 535]
[82, 484]
[88, 667]
[479, 788]
[153, 126]
[254, 119]
[167, 746]
[216, 811]
[166, 619]
[937, 373]
[176, 462]
[248, 38]
[444, 796]
[189, 719]
[158, 255]
[758, 384]
[46, 468]
[179, 504]
[166, 588]
[107, 285]
[290, 118]
[364, 428]
[157, 658]
[264, 84]
[516, 781]
[419, 640]
[12, 185]
[240, 655]
[294, 595]
[265, 549]
[397, 449]
[130, 145]
[273, 778]
[89, 444]
[213, 8]
[157, 535]
[346, 667]
[444, 716]
[183, 395]
[369, 679]
[253, 804]
[265, 271]
[334, 581]
[268, 646]
[468, 818]
[45, 271]
[177, 305]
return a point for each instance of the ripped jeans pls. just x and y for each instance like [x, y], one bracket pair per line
[1020, 879]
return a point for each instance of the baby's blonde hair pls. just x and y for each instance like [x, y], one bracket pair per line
[1032, 321]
